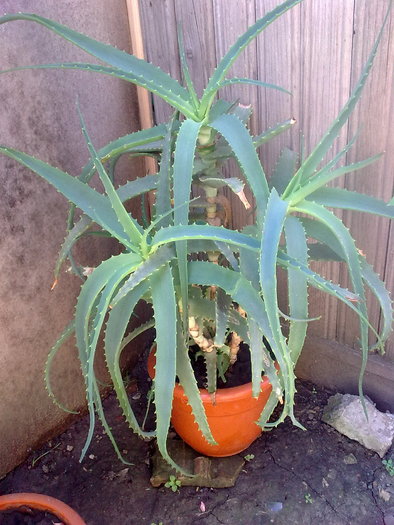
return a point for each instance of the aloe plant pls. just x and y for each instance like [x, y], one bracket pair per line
[237, 296]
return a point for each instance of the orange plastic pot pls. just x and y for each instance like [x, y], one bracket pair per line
[43, 503]
[232, 419]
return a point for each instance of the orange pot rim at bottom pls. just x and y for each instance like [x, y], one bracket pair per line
[43, 503]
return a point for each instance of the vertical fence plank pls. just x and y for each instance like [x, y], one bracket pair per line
[160, 38]
[231, 20]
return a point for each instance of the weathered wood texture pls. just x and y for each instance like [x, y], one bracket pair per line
[316, 51]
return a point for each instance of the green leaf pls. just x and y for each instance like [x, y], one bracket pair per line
[71, 238]
[127, 191]
[211, 233]
[284, 170]
[66, 334]
[324, 177]
[261, 360]
[95, 205]
[242, 42]
[380, 291]
[165, 312]
[272, 132]
[240, 141]
[182, 180]
[187, 379]
[185, 69]
[133, 142]
[296, 247]
[129, 225]
[309, 166]
[145, 270]
[353, 262]
[223, 304]
[119, 318]
[232, 81]
[320, 232]
[108, 274]
[138, 71]
[351, 200]
[273, 226]
[163, 194]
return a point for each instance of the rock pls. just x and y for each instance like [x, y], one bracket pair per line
[384, 495]
[346, 414]
[350, 459]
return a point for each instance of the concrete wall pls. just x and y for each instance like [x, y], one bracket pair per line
[38, 116]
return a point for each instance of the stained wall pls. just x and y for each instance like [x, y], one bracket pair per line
[38, 115]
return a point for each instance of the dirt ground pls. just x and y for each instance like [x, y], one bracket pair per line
[293, 477]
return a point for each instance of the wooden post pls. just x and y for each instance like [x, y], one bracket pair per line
[144, 101]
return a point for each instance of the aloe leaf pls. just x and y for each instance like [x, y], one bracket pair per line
[351, 200]
[284, 170]
[145, 270]
[243, 293]
[227, 252]
[182, 180]
[250, 81]
[138, 71]
[223, 304]
[261, 360]
[163, 194]
[137, 141]
[66, 334]
[272, 132]
[185, 69]
[317, 281]
[324, 177]
[296, 247]
[71, 238]
[353, 262]
[97, 206]
[129, 225]
[127, 191]
[187, 379]
[136, 332]
[267, 411]
[107, 429]
[240, 141]
[273, 226]
[211, 233]
[165, 312]
[321, 252]
[119, 318]
[320, 232]
[211, 368]
[237, 48]
[86, 329]
[311, 163]
[380, 291]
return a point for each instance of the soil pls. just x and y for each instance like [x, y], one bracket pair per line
[291, 476]
[237, 374]
[29, 517]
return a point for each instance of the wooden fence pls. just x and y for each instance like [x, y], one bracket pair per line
[317, 51]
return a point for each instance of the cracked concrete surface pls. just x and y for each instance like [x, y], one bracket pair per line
[297, 477]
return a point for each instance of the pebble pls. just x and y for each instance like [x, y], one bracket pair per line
[350, 459]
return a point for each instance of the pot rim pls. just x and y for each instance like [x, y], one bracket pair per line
[230, 394]
[41, 502]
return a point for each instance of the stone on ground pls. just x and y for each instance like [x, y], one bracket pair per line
[345, 413]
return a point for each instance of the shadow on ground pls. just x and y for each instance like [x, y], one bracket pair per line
[295, 477]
